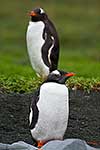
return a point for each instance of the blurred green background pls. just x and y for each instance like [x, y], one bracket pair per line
[78, 26]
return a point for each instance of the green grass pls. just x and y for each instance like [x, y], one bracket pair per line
[16, 74]
[77, 23]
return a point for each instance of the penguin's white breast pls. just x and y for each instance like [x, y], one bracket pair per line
[53, 97]
[35, 42]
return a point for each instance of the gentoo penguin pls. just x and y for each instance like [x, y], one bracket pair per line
[49, 109]
[42, 43]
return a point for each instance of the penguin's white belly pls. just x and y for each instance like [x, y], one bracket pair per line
[53, 112]
[35, 42]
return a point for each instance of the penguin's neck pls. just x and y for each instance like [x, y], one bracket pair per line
[55, 88]
[37, 25]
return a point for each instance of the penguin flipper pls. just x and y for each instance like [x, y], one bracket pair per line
[50, 49]
[54, 59]
[54, 55]
[34, 109]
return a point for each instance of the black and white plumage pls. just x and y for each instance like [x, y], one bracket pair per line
[42, 43]
[50, 108]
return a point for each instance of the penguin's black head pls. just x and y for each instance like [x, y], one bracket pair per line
[59, 76]
[38, 14]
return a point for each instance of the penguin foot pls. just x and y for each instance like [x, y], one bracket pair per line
[40, 144]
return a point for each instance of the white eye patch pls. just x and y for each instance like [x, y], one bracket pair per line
[42, 11]
[56, 72]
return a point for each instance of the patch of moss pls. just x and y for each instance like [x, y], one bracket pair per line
[18, 84]
[84, 83]
[22, 84]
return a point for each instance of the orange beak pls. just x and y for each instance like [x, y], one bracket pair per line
[70, 74]
[32, 13]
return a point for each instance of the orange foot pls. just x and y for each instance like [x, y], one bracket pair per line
[40, 144]
[93, 143]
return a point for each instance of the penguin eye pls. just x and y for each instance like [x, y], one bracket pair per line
[57, 75]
